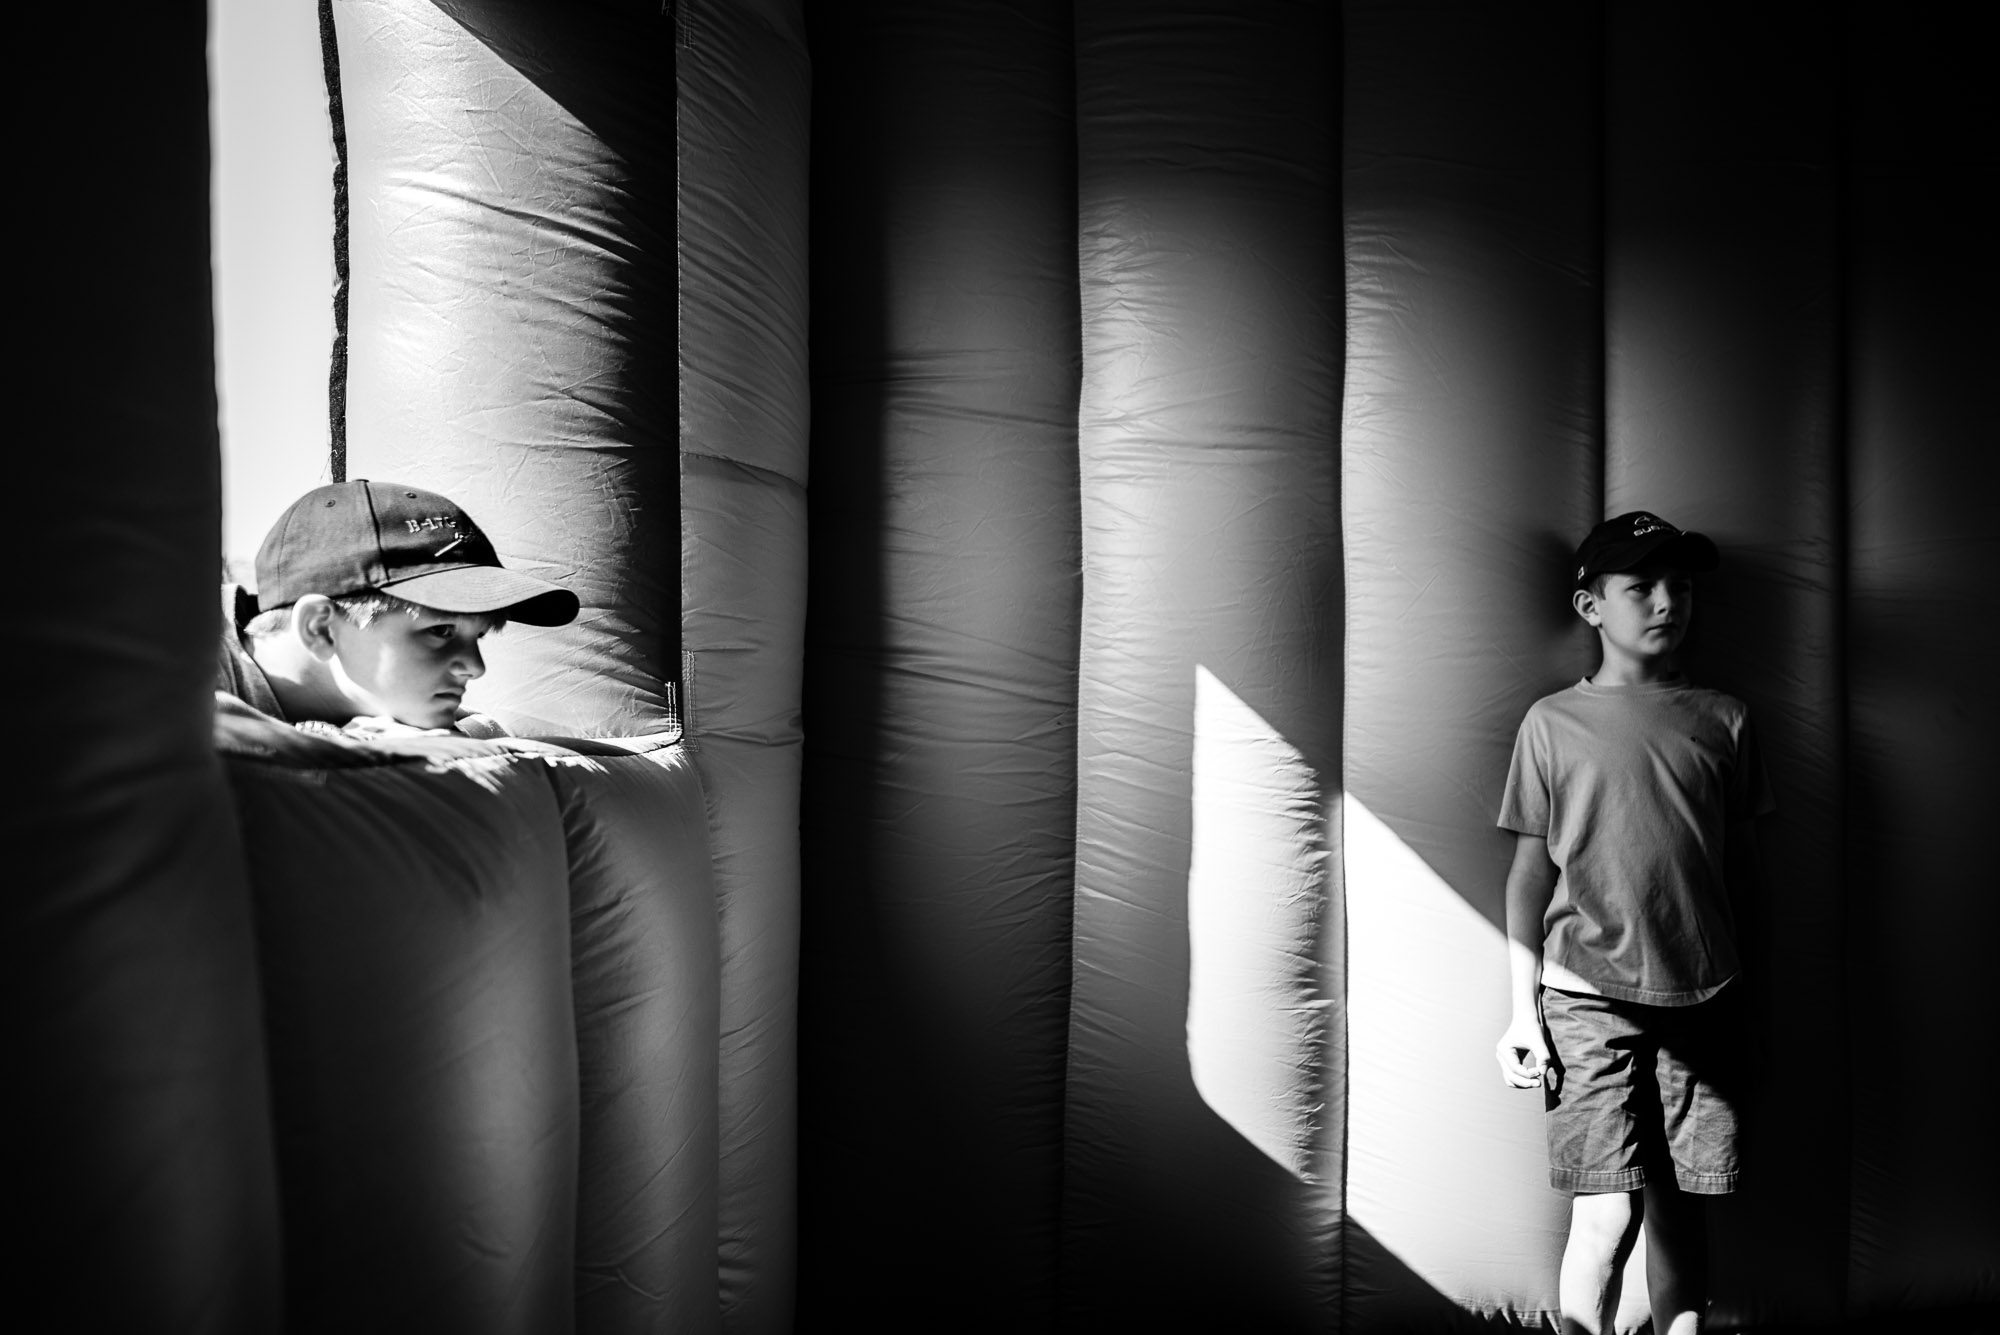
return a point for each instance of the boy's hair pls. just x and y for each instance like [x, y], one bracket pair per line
[361, 609]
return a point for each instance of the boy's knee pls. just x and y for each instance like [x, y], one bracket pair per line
[1603, 1222]
[1672, 1212]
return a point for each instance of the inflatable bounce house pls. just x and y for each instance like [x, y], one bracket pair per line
[1071, 501]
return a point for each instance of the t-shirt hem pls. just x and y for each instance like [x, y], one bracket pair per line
[1637, 995]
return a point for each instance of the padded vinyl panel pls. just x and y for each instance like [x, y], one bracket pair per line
[1470, 452]
[644, 965]
[743, 88]
[144, 1187]
[939, 799]
[1923, 540]
[414, 936]
[1201, 1184]
[1485, 304]
[140, 1180]
[513, 317]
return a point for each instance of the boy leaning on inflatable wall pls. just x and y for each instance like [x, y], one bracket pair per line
[1631, 796]
[372, 600]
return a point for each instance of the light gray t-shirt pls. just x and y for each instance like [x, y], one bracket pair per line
[1634, 787]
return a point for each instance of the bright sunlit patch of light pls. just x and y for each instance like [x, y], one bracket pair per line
[1446, 1165]
[1257, 1009]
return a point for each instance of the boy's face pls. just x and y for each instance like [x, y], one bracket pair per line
[412, 669]
[1642, 615]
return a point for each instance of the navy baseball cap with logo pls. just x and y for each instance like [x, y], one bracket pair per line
[352, 537]
[1639, 536]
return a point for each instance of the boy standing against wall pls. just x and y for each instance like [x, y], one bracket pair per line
[1630, 794]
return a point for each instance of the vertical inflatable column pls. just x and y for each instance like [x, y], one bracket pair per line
[141, 1177]
[646, 966]
[513, 342]
[1721, 296]
[1923, 725]
[511, 329]
[414, 936]
[1201, 1172]
[940, 789]
[744, 90]
[1470, 454]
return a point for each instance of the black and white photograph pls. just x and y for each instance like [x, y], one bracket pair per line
[1035, 667]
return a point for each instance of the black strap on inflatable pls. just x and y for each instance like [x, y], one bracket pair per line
[336, 378]
[1602, 278]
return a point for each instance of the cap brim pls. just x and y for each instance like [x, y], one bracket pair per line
[523, 598]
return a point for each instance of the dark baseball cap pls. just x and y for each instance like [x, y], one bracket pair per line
[1639, 536]
[352, 537]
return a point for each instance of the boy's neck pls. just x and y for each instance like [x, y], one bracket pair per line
[304, 688]
[1625, 670]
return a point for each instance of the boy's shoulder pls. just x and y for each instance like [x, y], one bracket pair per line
[1586, 709]
[1721, 703]
[1555, 699]
[1554, 705]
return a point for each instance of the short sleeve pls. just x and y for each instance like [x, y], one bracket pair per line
[1749, 783]
[1524, 805]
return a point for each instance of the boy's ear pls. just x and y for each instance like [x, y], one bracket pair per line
[1585, 603]
[312, 624]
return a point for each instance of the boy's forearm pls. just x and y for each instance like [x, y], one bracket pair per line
[1524, 974]
[1531, 884]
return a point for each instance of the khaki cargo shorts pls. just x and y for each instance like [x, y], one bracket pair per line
[1644, 1091]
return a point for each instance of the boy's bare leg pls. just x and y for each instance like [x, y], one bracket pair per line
[1676, 1258]
[1601, 1231]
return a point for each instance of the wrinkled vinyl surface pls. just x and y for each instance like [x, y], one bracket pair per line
[1920, 543]
[414, 939]
[1211, 374]
[1469, 457]
[743, 82]
[643, 964]
[519, 290]
[939, 792]
[513, 317]
[1128, 561]
[1722, 292]
[140, 1181]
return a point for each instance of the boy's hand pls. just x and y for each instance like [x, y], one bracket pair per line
[1523, 1053]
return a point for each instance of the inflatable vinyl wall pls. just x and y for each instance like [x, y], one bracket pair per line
[1593, 260]
[1056, 886]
